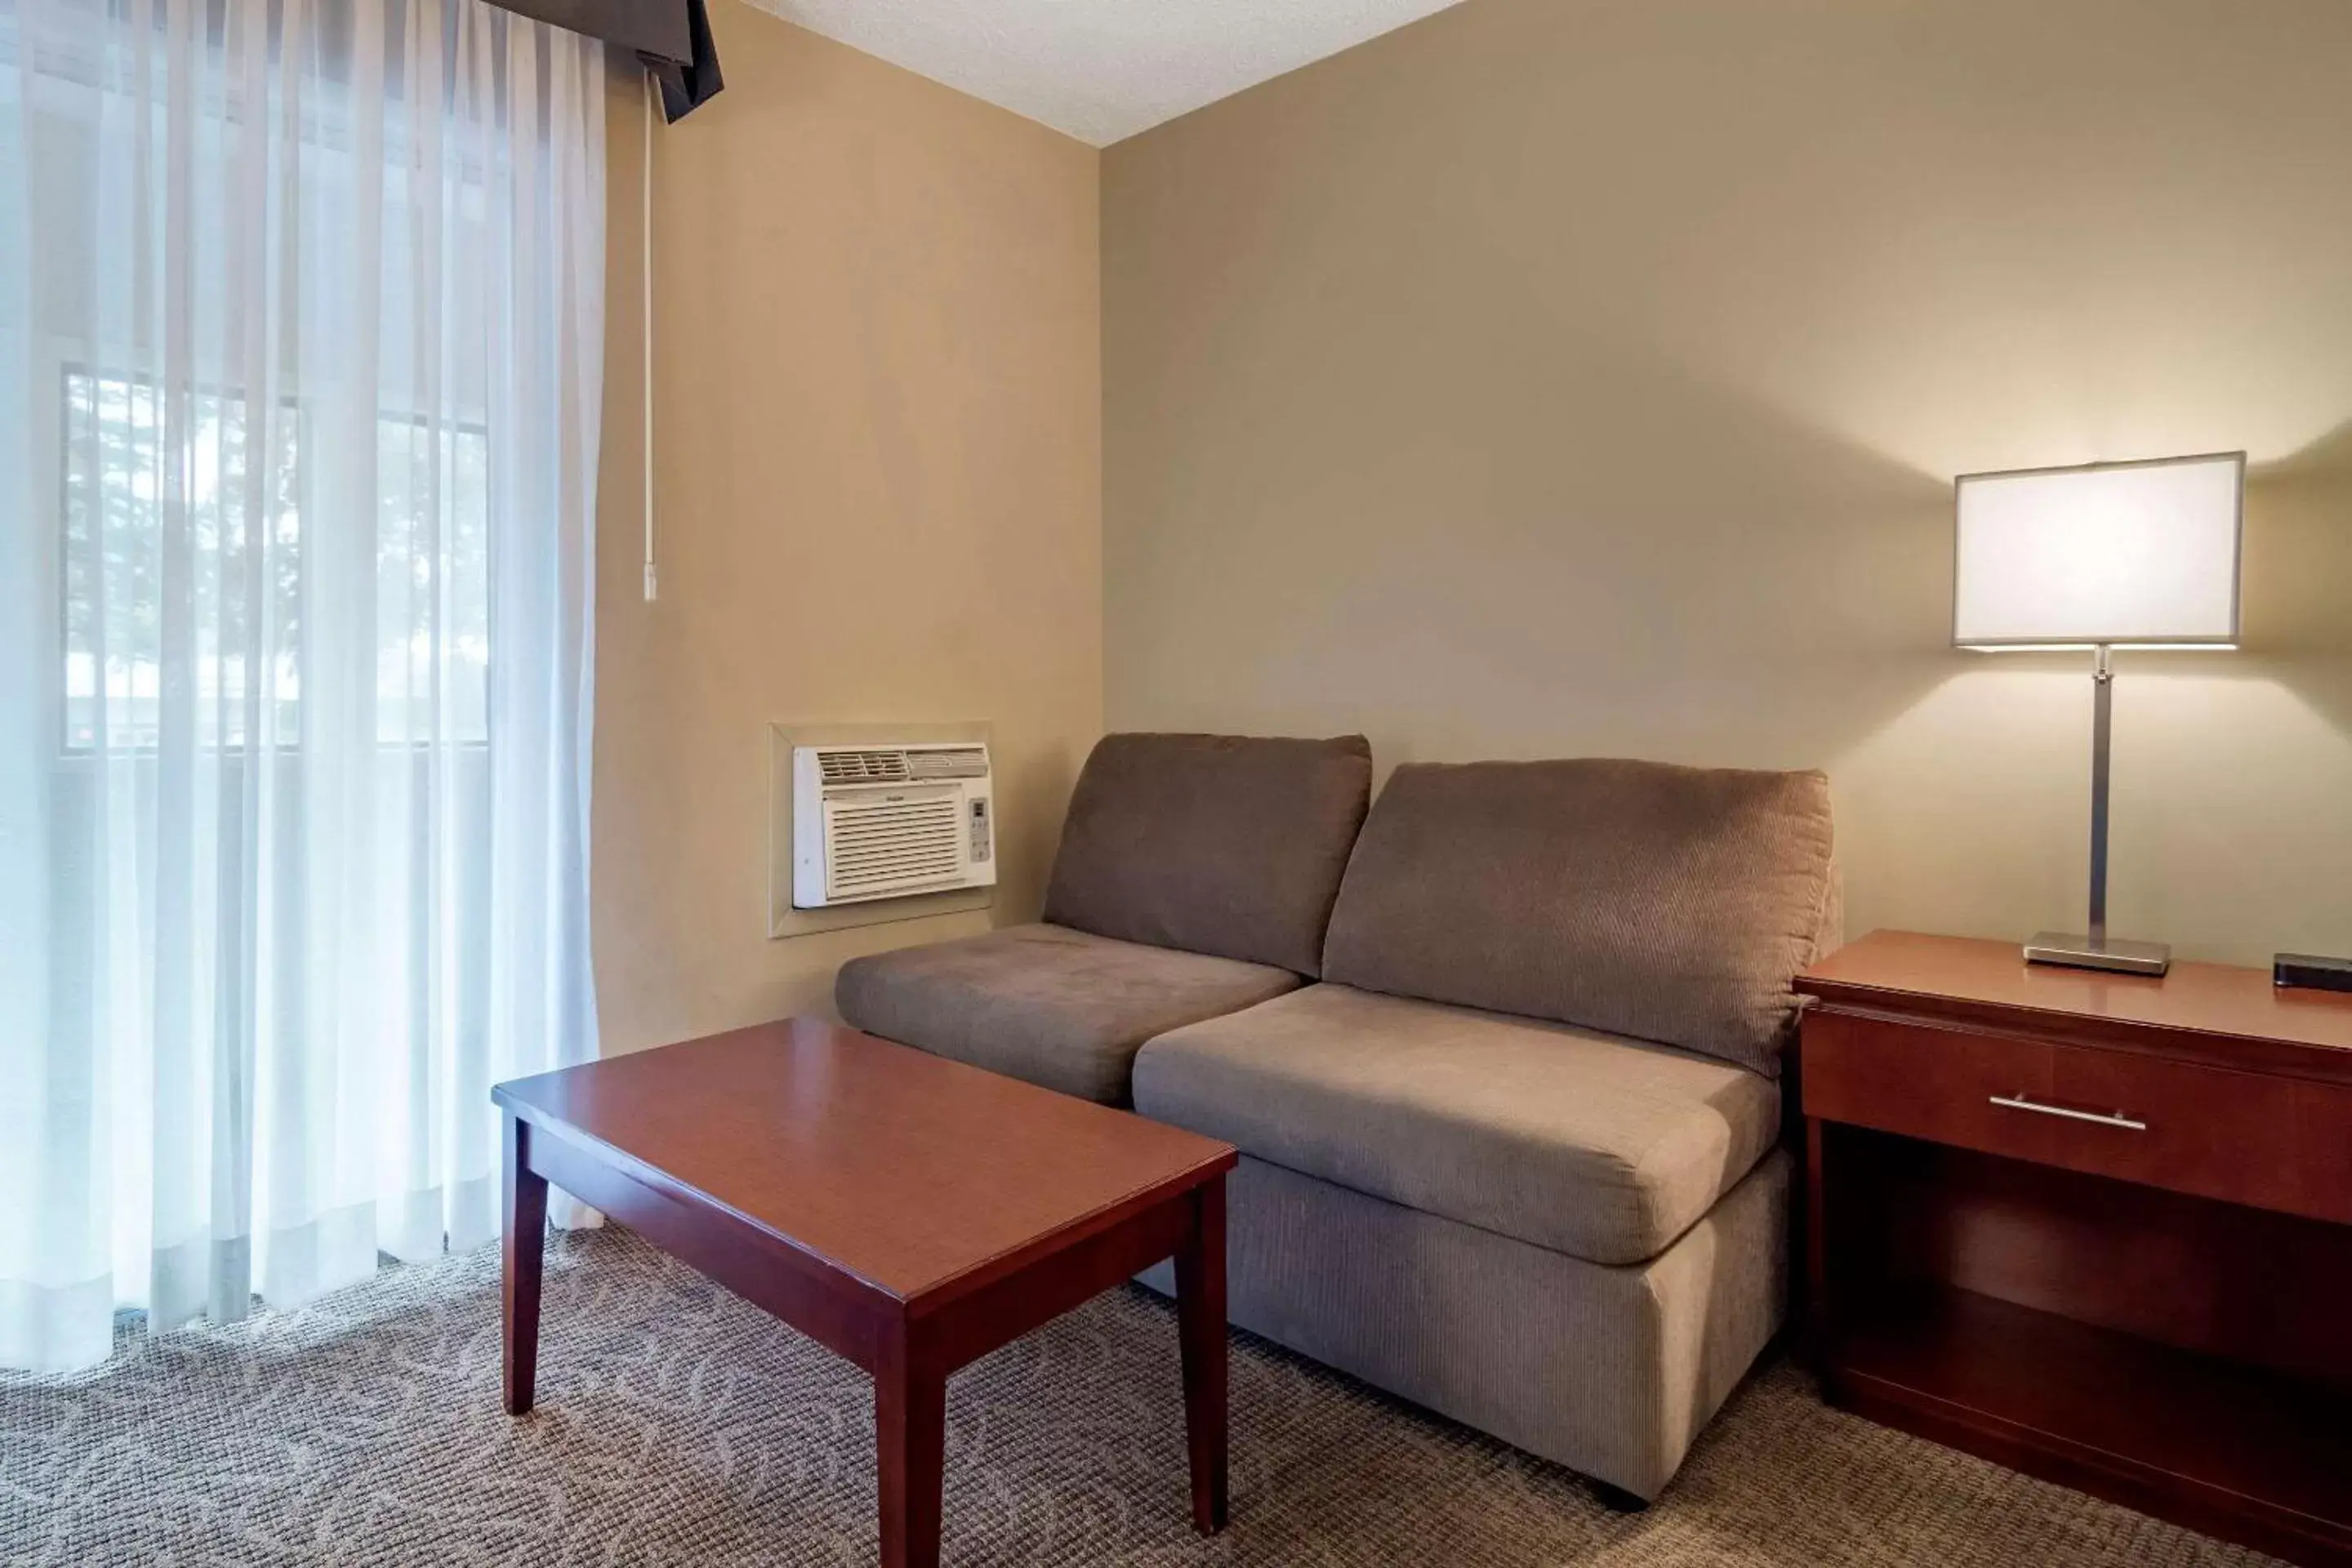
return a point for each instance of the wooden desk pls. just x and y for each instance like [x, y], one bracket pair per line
[2094, 1226]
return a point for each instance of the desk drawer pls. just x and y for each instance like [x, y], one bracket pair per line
[1930, 1083]
[2241, 1136]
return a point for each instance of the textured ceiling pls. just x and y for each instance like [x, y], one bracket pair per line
[1100, 69]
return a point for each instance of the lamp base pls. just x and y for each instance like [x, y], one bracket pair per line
[2076, 951]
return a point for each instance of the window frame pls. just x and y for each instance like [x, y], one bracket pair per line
[71, 368]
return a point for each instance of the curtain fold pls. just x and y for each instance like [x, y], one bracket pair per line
[301, 369]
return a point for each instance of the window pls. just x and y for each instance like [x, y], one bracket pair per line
[124, 563]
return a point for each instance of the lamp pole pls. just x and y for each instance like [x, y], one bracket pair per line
[2094, 948]
[2103, 706]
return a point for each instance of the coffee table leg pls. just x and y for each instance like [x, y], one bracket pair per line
[523, 1249]
[1200, 1329]
[910, 1422]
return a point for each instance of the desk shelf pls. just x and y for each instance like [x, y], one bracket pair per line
[2232, 1449]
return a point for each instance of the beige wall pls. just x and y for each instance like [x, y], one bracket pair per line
[880, 467]
[1587, 376]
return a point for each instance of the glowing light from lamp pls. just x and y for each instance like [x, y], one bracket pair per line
[2126, 554]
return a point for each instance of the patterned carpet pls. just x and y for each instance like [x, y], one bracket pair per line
[678, 1426]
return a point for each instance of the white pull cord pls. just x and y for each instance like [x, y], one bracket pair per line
[646, 313]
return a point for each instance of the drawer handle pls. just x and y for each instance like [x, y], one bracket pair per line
[2105, 1119]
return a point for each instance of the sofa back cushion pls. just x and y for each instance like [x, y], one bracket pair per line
[1669, 903]
[1228, 845]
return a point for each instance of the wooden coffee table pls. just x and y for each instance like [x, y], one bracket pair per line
[907, 1212]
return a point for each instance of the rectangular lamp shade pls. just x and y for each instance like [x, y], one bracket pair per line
[2123, 553]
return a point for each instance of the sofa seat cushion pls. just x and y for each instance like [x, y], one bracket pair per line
[1055, 1006]
[1599, 1147]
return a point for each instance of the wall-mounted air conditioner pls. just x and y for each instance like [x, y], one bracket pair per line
[885, 822]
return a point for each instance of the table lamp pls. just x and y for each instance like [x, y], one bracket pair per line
[2100, 557]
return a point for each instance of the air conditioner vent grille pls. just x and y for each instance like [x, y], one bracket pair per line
[949, 763]
[844, 767]
[893, 846]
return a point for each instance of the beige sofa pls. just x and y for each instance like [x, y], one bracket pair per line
[1510, 1137]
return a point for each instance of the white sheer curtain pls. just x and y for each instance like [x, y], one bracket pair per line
[300, 354]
